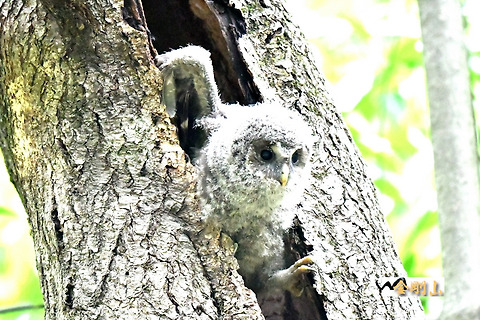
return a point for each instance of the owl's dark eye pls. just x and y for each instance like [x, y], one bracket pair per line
[295, 157]
[266, 154]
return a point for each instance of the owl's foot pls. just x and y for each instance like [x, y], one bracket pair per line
[291, 279]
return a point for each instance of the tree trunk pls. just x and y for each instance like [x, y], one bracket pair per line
[455, 151]
[111, 195]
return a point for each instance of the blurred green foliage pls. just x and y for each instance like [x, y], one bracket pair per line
[19, 284]
[371, 53]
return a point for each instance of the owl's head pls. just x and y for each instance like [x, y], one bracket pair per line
[273, 143]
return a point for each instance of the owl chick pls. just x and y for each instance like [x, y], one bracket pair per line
[252, 168]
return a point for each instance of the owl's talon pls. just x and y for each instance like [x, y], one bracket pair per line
[291, 278]
[303, 261]
[303, 270]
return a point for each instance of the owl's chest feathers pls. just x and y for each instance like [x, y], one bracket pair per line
[242, 208]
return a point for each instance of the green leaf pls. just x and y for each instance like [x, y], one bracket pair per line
[7, 212]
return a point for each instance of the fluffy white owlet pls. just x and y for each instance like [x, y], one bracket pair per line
[252, 168]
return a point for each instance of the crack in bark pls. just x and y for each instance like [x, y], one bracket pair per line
[57, 225]
[193, 239]
[69, 294]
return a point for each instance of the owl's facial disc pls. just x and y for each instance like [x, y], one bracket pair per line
[277, 160]
[283, 164]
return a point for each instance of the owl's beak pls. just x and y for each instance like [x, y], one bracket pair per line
[284, 175]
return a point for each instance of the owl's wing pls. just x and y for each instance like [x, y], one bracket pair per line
[189, 92]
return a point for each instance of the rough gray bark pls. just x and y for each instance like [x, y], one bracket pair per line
[98, 166]
[455, 151]
[109, 192]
